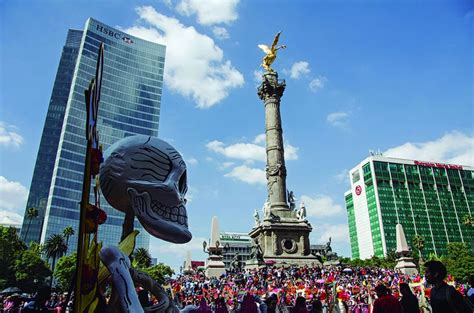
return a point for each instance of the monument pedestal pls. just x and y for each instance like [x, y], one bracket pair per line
[285, 239]
[215, 266]
[406, 266]
[254, 264]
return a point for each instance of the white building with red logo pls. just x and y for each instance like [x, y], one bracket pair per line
[431, 199]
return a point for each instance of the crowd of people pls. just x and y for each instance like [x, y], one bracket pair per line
[43, 301]
[327, 289]
[297, 290]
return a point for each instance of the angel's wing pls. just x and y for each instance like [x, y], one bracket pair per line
[275, 41]
[265, 48]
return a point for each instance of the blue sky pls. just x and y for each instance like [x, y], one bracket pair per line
[390, 75]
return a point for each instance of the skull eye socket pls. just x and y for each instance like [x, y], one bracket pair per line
[182, 185]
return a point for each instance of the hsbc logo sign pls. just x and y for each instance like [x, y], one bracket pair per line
[114, 34]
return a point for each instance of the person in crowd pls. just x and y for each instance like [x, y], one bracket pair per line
[38, 305]
[443, 298]
[386, 303]
[408, 301]
[272, 302]
[470, 291]
[14, 303]
[300, 306]
[316, 306]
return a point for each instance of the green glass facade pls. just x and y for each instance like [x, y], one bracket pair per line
[429, 199]
[352, 226]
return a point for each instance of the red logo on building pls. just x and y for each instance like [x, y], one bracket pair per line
[358, 190]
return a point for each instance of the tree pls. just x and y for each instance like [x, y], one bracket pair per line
[68, 232]
[10, 248]
[158, 272]
[29, 270]
[459, 261]
[30, 214]
[36, 247]
[64, 271]
[391, 259]
[141, 258]
[468, 220]
[419, 244]
[54, 248]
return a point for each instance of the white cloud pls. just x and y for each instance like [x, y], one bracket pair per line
[8, 136]
[250, 151]
[343, 176]
[338, 119]
[318, 83]
[13, 196]
[337, 232]
[298, 69]
[220, 32]
[210, 12]
[168, 3]
[259, 139]
[321, 206]
[7, 217]
[253, 176]
[241, 151]
[226, 165]
[454, 147]
[291, 152]
[192, 161]
[195, 66]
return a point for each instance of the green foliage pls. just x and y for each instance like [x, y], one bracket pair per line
[11, 248]
[158, 272]
[344, 260]
[391, 259]
[54, 248]
[64, 271]
[141, 258]
[30, 214]
[30, 267]
[419, 242]
[36, 247]
[68, 232]
[459, 261]
[388, 262]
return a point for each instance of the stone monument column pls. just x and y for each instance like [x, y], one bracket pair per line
[271, 91]
[282, 236]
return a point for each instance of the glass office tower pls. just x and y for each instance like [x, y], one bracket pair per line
[43, 172]
[429, 199]
[130, 104]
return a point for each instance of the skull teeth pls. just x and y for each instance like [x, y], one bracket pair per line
[175, 214]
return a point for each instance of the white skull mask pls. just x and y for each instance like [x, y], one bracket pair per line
[148, 176]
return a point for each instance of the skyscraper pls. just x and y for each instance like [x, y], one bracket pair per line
[130, 104]
[433, 200]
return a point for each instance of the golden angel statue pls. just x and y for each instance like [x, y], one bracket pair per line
[271, 53]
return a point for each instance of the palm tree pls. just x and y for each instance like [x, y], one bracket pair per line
[30, 214]
[142, 258]
[419, 244]
[54, 248]
[68, 232]
[468, 220]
